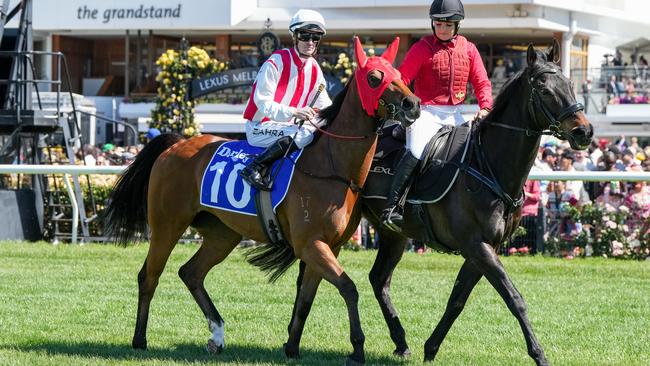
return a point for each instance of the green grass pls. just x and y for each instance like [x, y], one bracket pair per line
[65, 305]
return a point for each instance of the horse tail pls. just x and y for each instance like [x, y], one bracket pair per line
[126, 213]
[272, 258]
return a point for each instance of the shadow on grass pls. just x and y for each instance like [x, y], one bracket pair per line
[234, 354]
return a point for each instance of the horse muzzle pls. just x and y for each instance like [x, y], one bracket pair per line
[410, 110]
[580, 137]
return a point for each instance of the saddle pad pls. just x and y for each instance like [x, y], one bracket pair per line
[442, 165]
[434, 180]
[223, 188]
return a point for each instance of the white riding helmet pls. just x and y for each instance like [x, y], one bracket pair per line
[307, 19]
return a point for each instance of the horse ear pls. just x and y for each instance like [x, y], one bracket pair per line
[531, 55]
[553, 53]
[391, 51]
[359, 53]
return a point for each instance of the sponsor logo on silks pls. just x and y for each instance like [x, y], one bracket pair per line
[267, 132]
[460, 95]
[381, 170]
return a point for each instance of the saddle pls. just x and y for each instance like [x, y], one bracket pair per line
[441, 161]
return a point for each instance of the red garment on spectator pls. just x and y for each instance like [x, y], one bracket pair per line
[441, 71]
[531, 204]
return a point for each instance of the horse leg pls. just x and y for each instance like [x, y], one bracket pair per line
[306, 288]
[163, 240]
[485, 259]
[218, 242]
[391, 248]
[319, 257]
[467, 278]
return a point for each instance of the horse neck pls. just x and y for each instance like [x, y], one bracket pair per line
[350, 159]
[511, 154]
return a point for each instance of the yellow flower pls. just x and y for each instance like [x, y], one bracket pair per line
[184, 62]
[200, 64]
[176, 112]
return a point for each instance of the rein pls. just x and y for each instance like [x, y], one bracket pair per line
[535, 104]
[391, 111]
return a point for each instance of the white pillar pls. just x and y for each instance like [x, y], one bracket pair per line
[567, 40]
[46, 65]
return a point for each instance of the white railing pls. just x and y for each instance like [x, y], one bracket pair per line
[68, 170]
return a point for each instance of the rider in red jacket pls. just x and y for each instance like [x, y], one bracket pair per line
[440, 66]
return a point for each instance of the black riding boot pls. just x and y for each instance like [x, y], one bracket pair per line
[252, 173]
[391, 216]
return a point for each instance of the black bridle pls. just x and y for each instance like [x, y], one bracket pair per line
[535, 103]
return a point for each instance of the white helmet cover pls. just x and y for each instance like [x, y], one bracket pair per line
[304, 18]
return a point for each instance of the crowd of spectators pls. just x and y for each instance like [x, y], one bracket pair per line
[551, 198]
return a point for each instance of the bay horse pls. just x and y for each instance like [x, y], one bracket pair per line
[161, 190]
[475, 216]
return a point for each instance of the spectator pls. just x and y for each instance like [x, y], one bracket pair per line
[638, 200]
[499, 71]
[586, 93]
[575, 186]
[152, 133]
[529, 212]
[582, 162]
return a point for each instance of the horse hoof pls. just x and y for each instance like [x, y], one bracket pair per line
[350, 362]
[142, 346]
[290, 351]
[405, 353]
[214, 348]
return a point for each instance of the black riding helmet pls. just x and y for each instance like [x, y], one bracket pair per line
[446, 11]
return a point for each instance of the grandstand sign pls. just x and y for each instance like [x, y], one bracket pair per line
[223, 80]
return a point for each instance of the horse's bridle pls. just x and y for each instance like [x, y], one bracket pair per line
[535, 103]
[391, 111]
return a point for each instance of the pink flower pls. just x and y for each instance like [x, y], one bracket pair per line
[611, 224]
[512, 251]
[523, 250]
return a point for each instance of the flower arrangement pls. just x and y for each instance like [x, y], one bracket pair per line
[603, 230]
[174, 111]
[343, 67]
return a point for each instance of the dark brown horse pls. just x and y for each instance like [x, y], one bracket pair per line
[162, 188]
[477, 215]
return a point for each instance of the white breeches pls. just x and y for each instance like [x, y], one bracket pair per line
[264, 134]
[432, 118]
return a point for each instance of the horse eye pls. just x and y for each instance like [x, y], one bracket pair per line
[374, 80]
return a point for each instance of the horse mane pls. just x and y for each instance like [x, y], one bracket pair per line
[512, 87]
[330, 113]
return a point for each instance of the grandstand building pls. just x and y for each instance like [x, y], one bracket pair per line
[113, 45]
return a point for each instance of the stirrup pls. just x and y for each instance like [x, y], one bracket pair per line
[254, 178]
[392, 219]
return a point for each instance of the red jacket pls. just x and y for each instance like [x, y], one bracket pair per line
[441, 71]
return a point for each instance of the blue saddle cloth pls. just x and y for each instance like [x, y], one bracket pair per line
[223, 188]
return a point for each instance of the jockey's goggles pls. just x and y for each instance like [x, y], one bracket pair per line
[306, 36]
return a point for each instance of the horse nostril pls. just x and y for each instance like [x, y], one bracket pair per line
[407, 105]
